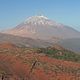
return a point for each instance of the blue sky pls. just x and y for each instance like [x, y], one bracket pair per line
[13, 12]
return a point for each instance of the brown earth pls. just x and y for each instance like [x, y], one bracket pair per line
[7, 45]
[29, 65]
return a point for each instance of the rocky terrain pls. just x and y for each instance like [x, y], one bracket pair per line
[38, 63]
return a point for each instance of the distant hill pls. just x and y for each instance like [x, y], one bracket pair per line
[71, 44]
[22, 41]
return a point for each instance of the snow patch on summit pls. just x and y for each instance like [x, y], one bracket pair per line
[38, 20]
[41, 20]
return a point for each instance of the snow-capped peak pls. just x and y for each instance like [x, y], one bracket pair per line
[41, 20]
[38, 20]
[40, 17]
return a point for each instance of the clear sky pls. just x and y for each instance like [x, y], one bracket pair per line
[13, 12]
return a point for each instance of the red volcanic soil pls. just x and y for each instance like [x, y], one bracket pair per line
[22, 67]
[7, 45]
[29, 65]
[13, 66]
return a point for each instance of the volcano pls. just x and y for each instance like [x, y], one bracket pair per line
[40, 27]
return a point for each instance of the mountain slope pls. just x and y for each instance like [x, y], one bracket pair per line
[21, 41]
[26, 64]
[71, 44]
[40, 27]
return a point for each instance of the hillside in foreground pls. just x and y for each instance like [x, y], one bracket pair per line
[52, 63]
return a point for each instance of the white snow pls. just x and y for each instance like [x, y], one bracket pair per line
[41, 20]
